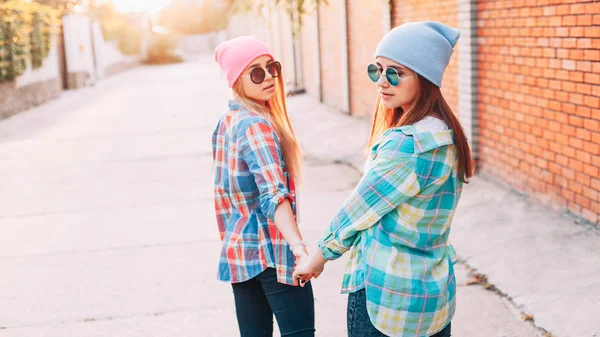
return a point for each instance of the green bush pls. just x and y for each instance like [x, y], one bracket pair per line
[25, 34]
[41, 37]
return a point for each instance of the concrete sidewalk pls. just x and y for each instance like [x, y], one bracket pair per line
[541, 266]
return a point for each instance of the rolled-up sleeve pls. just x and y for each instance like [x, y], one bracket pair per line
[261, 151]
[385, 185]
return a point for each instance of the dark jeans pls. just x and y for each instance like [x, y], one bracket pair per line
[257, 299]
[359, 324]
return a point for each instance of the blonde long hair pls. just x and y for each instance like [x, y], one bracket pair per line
[275, 111]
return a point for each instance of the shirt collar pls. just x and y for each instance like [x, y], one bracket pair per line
[427, 140]
[234, 105]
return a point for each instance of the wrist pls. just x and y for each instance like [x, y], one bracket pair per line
[296, 244]
[299, 248]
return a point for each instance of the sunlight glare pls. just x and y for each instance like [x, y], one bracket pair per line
[152, 6]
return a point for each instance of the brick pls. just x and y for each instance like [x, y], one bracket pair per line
[562, 53]
[554, 168]
[583, 111]
[590, 193]
[584, 65]
[577, 54]
[559, 32]
[569, 64]
[593, 31]
[595, 207]
[578, 9]
[574, 208]
[561, 10]
[572, 185]
[584, 20]
[592, 101]
[569, 20]
[576, 76]
[576, 121]
[584, 89]
[592, 147]
[591, 170]
[568, 86]
[592, 125]
[583, 201]
[592, 55]
[595, 183]
[584, 43]
[568, 131]
[569, 108]
[576, 98]
[583, 134]
[575, 32]
[591, 78]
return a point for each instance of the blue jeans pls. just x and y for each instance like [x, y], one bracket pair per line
[257, 299]
[359, 324]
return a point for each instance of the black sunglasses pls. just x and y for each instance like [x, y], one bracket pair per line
[258, 74]
[391, 74]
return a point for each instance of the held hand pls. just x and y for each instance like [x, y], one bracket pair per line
[309, 267]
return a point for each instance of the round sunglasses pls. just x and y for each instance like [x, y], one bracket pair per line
[258, 74]
[391, 74]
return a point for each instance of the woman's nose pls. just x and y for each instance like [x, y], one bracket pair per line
[382, 81]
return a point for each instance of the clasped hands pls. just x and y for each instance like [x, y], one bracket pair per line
[308, 265]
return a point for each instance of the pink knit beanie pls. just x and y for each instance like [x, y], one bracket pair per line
[233, 56]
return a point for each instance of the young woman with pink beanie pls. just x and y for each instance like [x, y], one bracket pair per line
[257, 167]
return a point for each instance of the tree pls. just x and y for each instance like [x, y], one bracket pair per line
[296, 9]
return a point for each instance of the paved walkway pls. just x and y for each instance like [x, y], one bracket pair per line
[107, 226]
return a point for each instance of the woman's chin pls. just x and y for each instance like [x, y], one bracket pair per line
[269, 96]
[388, 104]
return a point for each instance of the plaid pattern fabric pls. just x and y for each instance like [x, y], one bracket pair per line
[396, 225]
[251, 180]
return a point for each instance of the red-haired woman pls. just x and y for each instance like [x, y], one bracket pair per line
[396, 222]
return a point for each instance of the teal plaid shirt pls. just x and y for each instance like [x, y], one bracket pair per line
[396, 224]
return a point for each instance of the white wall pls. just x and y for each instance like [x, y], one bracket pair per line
[48, 71]
[78, 44]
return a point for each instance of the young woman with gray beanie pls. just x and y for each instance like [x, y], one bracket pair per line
[396, 222]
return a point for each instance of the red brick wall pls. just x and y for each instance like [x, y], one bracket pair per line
[331, 35]
[364, 33]
[445, 11]
[539, 99]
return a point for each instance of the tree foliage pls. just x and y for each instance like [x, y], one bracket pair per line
[296, 9]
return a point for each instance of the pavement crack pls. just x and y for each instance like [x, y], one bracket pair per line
[483, 281]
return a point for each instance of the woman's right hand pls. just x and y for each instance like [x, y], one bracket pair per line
[309, 266]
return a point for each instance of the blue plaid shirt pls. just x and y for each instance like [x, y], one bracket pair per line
[396, 225]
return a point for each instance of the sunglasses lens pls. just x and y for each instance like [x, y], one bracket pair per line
[257, 75]
[373, 72]
[274, 69]
[392, 76]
